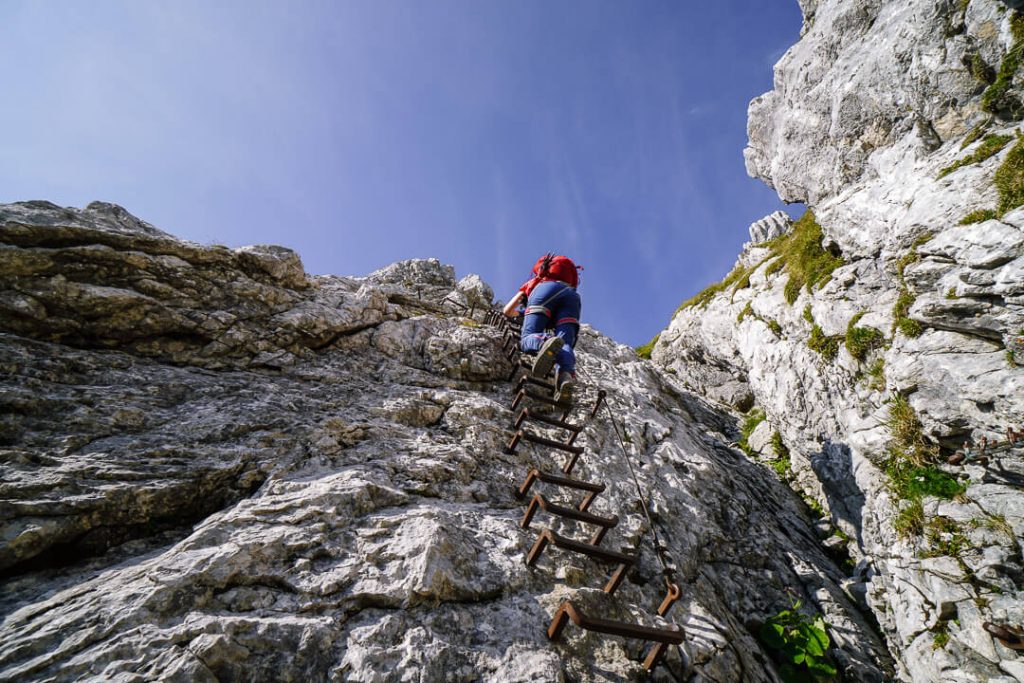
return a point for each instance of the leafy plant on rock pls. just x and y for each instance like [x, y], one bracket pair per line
[800, 645]
[861, 340]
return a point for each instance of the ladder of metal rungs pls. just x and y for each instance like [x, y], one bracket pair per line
[547, 536]
[658, 651]
[568, 612]
[592, 489]
[540, 502]
[523, 435]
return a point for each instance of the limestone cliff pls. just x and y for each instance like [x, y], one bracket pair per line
[886, 327]
[217, 467]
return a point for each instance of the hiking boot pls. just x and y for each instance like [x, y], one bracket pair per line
[545, 359]
[566, 384]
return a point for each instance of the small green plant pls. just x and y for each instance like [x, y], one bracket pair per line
[909, 469]
[808, 316]
[815, 507]
[910, 520]
[941, 635]
[800, 645]
[753, 418]
[826, 345]
[862, 340]
[774, 326]
[645, 350]
[781, 463]
[979, 216]
[989, 147]
[1009, 178]
[900, 311]
[945, 538]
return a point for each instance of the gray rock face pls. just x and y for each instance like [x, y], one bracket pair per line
[865, 74]
[868, 109]
[219, 468]
[770, 227]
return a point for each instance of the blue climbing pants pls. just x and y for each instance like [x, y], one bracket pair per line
[552, 305]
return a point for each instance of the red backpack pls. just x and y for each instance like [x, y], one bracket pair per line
[561, 268]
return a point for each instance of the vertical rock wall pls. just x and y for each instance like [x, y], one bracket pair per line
[879, 120]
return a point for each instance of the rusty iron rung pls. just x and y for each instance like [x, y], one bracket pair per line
[524, 435]
[534, 396]
[592, 489]
[530, 379]
[661, 636]
[527, 414]
[601, 395]
[540, 502]
[548, 536]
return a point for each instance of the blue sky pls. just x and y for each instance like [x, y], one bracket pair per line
[480, 132]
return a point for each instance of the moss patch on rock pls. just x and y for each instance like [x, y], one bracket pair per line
[989, 147]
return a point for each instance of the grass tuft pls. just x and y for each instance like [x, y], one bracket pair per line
[799, 253]
[997, 98]
[754, 417]
[827, 346]
[645, 350]
[1009, 179]
[975, 133]
[989, 147]
[979, 216]
[862, 340]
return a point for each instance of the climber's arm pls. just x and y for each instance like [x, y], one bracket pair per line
[511, 308]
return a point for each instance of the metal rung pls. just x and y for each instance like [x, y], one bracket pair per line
[524, 435]
[526, 414]
[591, 488]
[533, 396]
[662, 636]
[530, 379]
[540, 502]
[623, 560]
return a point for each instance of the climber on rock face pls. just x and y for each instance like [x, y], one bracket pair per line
[552, 319]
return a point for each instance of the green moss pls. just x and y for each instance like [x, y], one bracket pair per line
[774, 326]
[989, 147]
[808, 316]
[1011, 360]
[827, 346]
[862, 340]
[1009, 179]
[645, 350]
[754, 417]
[979, 216]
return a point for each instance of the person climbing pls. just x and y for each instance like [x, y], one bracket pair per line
[551, 303]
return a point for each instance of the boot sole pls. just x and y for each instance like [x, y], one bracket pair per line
[546, 357]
